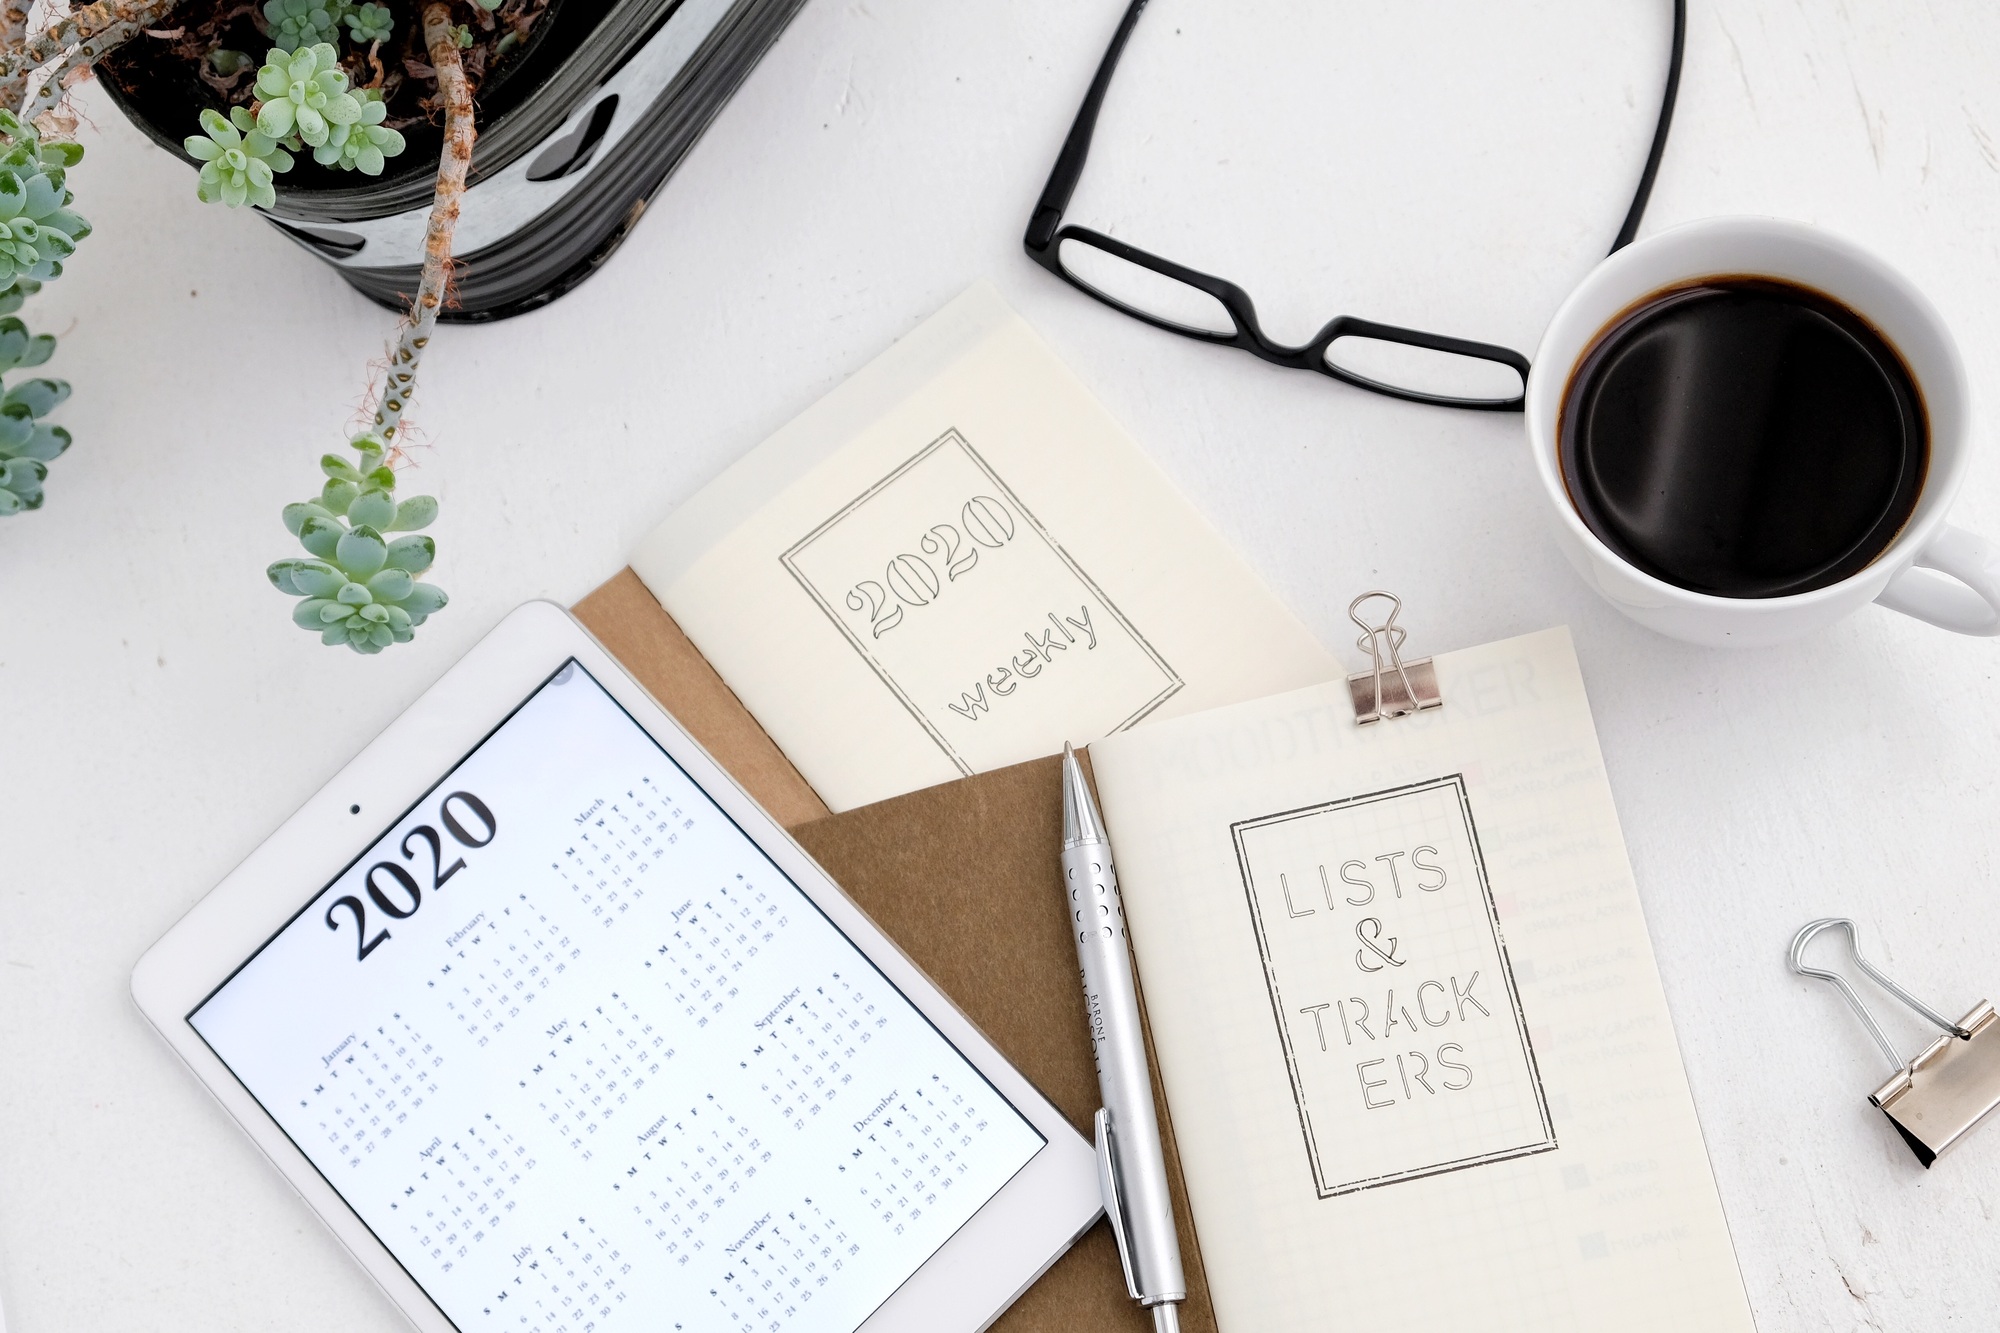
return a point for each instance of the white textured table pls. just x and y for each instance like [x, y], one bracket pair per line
[159, 714]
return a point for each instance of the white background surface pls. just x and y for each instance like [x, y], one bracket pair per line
[159, 714]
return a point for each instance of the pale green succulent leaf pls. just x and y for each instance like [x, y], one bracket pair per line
[424, 599]
[322, 536]
[295, 515]
[413, 554]
[39, 397]
[338, 496]
[361, 552]
[306, 614]
[46, 444]
[390, 585]
[376, 509]
[419, 511]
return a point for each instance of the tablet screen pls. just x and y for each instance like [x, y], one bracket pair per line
[583, 1058]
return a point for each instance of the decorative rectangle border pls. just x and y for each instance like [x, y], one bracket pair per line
[952, 437]
[1326, 1190]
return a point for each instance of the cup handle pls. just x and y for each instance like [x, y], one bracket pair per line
[1971, 604]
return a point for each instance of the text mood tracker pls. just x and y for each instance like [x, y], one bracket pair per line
[1396, 1007]
[583, 1059]
[972, 614]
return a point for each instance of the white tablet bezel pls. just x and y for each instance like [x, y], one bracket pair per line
[964, 1286]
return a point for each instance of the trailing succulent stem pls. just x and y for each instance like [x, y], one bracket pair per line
[440, 37]
[359, 591]
[37, 232]
[73, 43]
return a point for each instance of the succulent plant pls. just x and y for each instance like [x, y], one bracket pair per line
[360, 587]
[37, 229]
[305, 93]
[27, 445]
[297, 23]
[237, 159]
[364, 144]
[370, 23]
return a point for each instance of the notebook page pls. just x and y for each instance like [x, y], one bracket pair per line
[1407, 1014]
[957, 561]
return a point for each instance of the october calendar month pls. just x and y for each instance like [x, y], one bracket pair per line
[582, 1058]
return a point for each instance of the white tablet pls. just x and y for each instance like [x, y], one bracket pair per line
[559, 1031]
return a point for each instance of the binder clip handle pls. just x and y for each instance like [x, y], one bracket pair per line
[1812, 929]
[1390, 687]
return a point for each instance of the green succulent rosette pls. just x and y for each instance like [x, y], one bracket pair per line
[238, 160]
[297, 23]
[363, 146]
[370, 23]
[360, 588]
[304, 93]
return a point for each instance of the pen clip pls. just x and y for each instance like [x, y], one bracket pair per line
[1114, 1200]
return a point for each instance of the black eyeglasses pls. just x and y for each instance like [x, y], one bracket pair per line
[1402, 363]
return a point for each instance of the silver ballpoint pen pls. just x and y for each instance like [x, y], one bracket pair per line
[1131, 1168]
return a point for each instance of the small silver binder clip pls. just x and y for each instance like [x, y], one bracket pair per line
[1936, 1099]
[1391, 687]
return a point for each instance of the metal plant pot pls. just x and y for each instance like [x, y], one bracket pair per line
[577, 132]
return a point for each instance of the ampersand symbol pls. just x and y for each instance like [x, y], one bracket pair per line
[1368, 930]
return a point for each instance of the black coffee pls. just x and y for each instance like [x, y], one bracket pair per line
[1744, 437]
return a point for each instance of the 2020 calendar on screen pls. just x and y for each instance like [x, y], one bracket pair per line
[583, 1059]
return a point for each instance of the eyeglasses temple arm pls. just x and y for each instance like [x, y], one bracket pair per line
[1645, 192]
[1076, 148]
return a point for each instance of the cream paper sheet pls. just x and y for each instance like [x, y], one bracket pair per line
[1407, 1015]
[957, 561]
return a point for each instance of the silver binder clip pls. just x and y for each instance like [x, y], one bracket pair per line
[1938, 1098]
[1391, 687]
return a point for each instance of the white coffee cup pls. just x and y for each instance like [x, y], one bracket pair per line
[1932, 570]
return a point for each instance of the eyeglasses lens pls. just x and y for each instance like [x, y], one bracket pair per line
[1425, 370]
[1141, 290]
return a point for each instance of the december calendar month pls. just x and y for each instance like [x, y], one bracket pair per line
[582, 1057]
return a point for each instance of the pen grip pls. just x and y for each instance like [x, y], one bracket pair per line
[1111, 1001]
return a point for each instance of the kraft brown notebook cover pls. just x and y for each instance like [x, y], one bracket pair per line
[963, 877]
